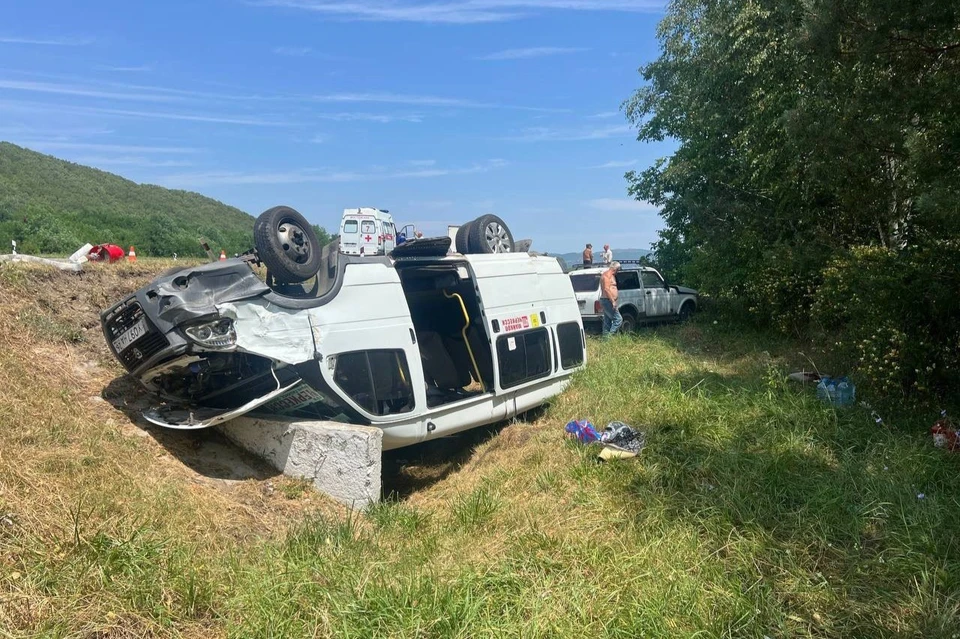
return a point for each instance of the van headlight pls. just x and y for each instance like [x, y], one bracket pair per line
[218, 335]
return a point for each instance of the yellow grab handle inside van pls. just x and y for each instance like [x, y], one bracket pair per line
[463, 333]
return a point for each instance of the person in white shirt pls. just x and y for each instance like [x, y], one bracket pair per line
[607, 254]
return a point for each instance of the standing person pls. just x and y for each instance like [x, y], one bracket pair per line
[607, 254]
[609, 295]
[588, 255]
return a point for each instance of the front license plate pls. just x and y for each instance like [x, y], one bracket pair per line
[131, 335]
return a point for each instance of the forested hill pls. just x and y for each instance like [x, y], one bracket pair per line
[49, 205]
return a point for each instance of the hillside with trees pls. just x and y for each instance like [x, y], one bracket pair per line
[52, 206]
[816, 184]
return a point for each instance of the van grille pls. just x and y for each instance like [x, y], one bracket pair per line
[142, 349]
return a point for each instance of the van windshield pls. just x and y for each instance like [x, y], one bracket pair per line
[585, 282]
[350, 226]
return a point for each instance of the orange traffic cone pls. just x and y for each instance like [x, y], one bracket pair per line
[132, 255]
[223, 255]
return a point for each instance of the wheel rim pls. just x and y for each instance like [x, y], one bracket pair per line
[496, 238]
[293, 241]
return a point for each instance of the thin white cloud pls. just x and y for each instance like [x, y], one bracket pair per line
[621, 205]
[398, 98]
[380, 118]
[65, 89]
[302, 176]
[293, 51]
[31, 107]
[43, 41]
[530, 52]
[55, 145]
[128, 160]
[457, 11]
[132, 92]
[615, 164]
[132, 69]
[604, 115]
[319, 138]
[546, 134]
[422, 162]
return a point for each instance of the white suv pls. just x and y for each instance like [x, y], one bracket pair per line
[644, 295]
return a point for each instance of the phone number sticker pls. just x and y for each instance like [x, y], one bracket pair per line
[520, 322]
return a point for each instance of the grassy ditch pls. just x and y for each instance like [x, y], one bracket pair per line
[754, 510]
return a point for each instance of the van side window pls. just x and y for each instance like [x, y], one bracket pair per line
[628, 281]
[651, 280]
[350, 226]
[571, 344]
[378, 381]
[523, 356]
[368, 227]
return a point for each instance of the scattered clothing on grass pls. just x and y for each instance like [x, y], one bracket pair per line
[583, 431]
[622, 438]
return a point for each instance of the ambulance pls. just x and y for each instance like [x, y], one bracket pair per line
[367, 231]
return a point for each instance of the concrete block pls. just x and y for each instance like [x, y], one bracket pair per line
[342, 460]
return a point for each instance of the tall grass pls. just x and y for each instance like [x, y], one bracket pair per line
[754, 511]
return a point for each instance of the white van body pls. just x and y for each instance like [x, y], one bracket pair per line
[367, 231]
[421, 347]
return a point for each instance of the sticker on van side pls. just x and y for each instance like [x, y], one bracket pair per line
[511, 324]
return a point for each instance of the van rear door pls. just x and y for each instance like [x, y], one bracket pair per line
[371, 238]
[350, 235]
[514, 310]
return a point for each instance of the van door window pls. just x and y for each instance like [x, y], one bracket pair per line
[523, 357]
[378, 380]
[350, 226]
[368, 228]
[571, 344]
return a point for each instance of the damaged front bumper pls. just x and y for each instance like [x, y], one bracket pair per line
[187, 337]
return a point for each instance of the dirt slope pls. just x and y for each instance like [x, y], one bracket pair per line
[71, 430]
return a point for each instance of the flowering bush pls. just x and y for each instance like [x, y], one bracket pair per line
[893, 317]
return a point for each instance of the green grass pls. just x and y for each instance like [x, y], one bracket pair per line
[753, 511]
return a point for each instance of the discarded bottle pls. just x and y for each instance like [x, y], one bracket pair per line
[837, 391]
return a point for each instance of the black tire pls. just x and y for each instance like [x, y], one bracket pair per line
[629, 322]
[287, 244]
[686, 312]
[489, 234]
[462, 242]
[423, 247]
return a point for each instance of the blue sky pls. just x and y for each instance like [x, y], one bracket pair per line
[438, 111]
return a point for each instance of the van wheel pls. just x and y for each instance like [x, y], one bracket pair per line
[462, 242]
[287, 244]
[489, 234]
[629, 322]
[686, 312]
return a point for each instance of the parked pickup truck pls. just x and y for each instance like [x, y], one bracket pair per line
[421, 343]
[644, 296]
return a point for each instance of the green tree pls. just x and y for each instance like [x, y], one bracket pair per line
[806, 129]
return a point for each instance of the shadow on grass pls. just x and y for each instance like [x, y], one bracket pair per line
[204, 451]
[838, 517]
[412, 468]
[207, 452]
